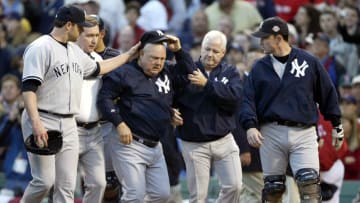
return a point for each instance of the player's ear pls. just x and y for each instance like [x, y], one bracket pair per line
[69, 25]
[102, 33]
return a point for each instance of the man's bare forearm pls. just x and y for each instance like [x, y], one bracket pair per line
[30, 100]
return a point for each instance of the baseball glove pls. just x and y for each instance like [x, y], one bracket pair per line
[55, 142]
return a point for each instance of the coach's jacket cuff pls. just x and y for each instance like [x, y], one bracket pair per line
[249, 124]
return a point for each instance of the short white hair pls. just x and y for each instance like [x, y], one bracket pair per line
[215, 35]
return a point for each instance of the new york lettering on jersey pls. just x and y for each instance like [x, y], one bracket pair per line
[64, 69]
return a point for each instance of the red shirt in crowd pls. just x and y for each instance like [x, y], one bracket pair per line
[287, 9]
[352, 170]
[351, 162]
[327, 153]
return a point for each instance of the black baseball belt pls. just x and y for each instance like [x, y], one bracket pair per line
[292, 123]
[87, 125]
[144, 141]
[56, 114]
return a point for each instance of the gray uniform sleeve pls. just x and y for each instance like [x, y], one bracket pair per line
[89, 66]
[35, 62]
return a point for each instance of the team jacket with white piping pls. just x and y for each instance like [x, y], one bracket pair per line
[209, 112]
[145, 102]
[305, 84]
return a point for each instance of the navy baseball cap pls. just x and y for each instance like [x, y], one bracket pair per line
[349, 99]
[272, 26]
[70, 13]
[152, 37]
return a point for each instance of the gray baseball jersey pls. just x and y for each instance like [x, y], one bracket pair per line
[60, 70]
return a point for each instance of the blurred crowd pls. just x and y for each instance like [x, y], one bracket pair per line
[328, 29]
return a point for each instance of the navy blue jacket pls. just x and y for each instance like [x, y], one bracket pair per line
[241, 140]
[144, 106]
[294, 97]
[244, 146]
[209, 112]
[109, 53]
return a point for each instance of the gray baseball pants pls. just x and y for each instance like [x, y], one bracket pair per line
[92, 163]
[283, 144]
[58, 170]
[106, 129]
[141, 171]
[224, 155]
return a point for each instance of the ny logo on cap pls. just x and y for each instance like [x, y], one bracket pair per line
[159, 32]
[261, 24]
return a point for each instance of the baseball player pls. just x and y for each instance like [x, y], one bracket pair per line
[279, 112]
[142, 116]
[91, 144]
[104, 51]
[54, 69]
[208, 106]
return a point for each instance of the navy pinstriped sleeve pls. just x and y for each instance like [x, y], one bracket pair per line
[326, 96]
[226, 94]
[248, 116]
[240, 138]
[110, 90]
[184, 60]
[184, 66]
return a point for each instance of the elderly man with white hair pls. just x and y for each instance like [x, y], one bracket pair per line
[208, 105]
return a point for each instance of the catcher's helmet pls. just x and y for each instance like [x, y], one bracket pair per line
[54, 144]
